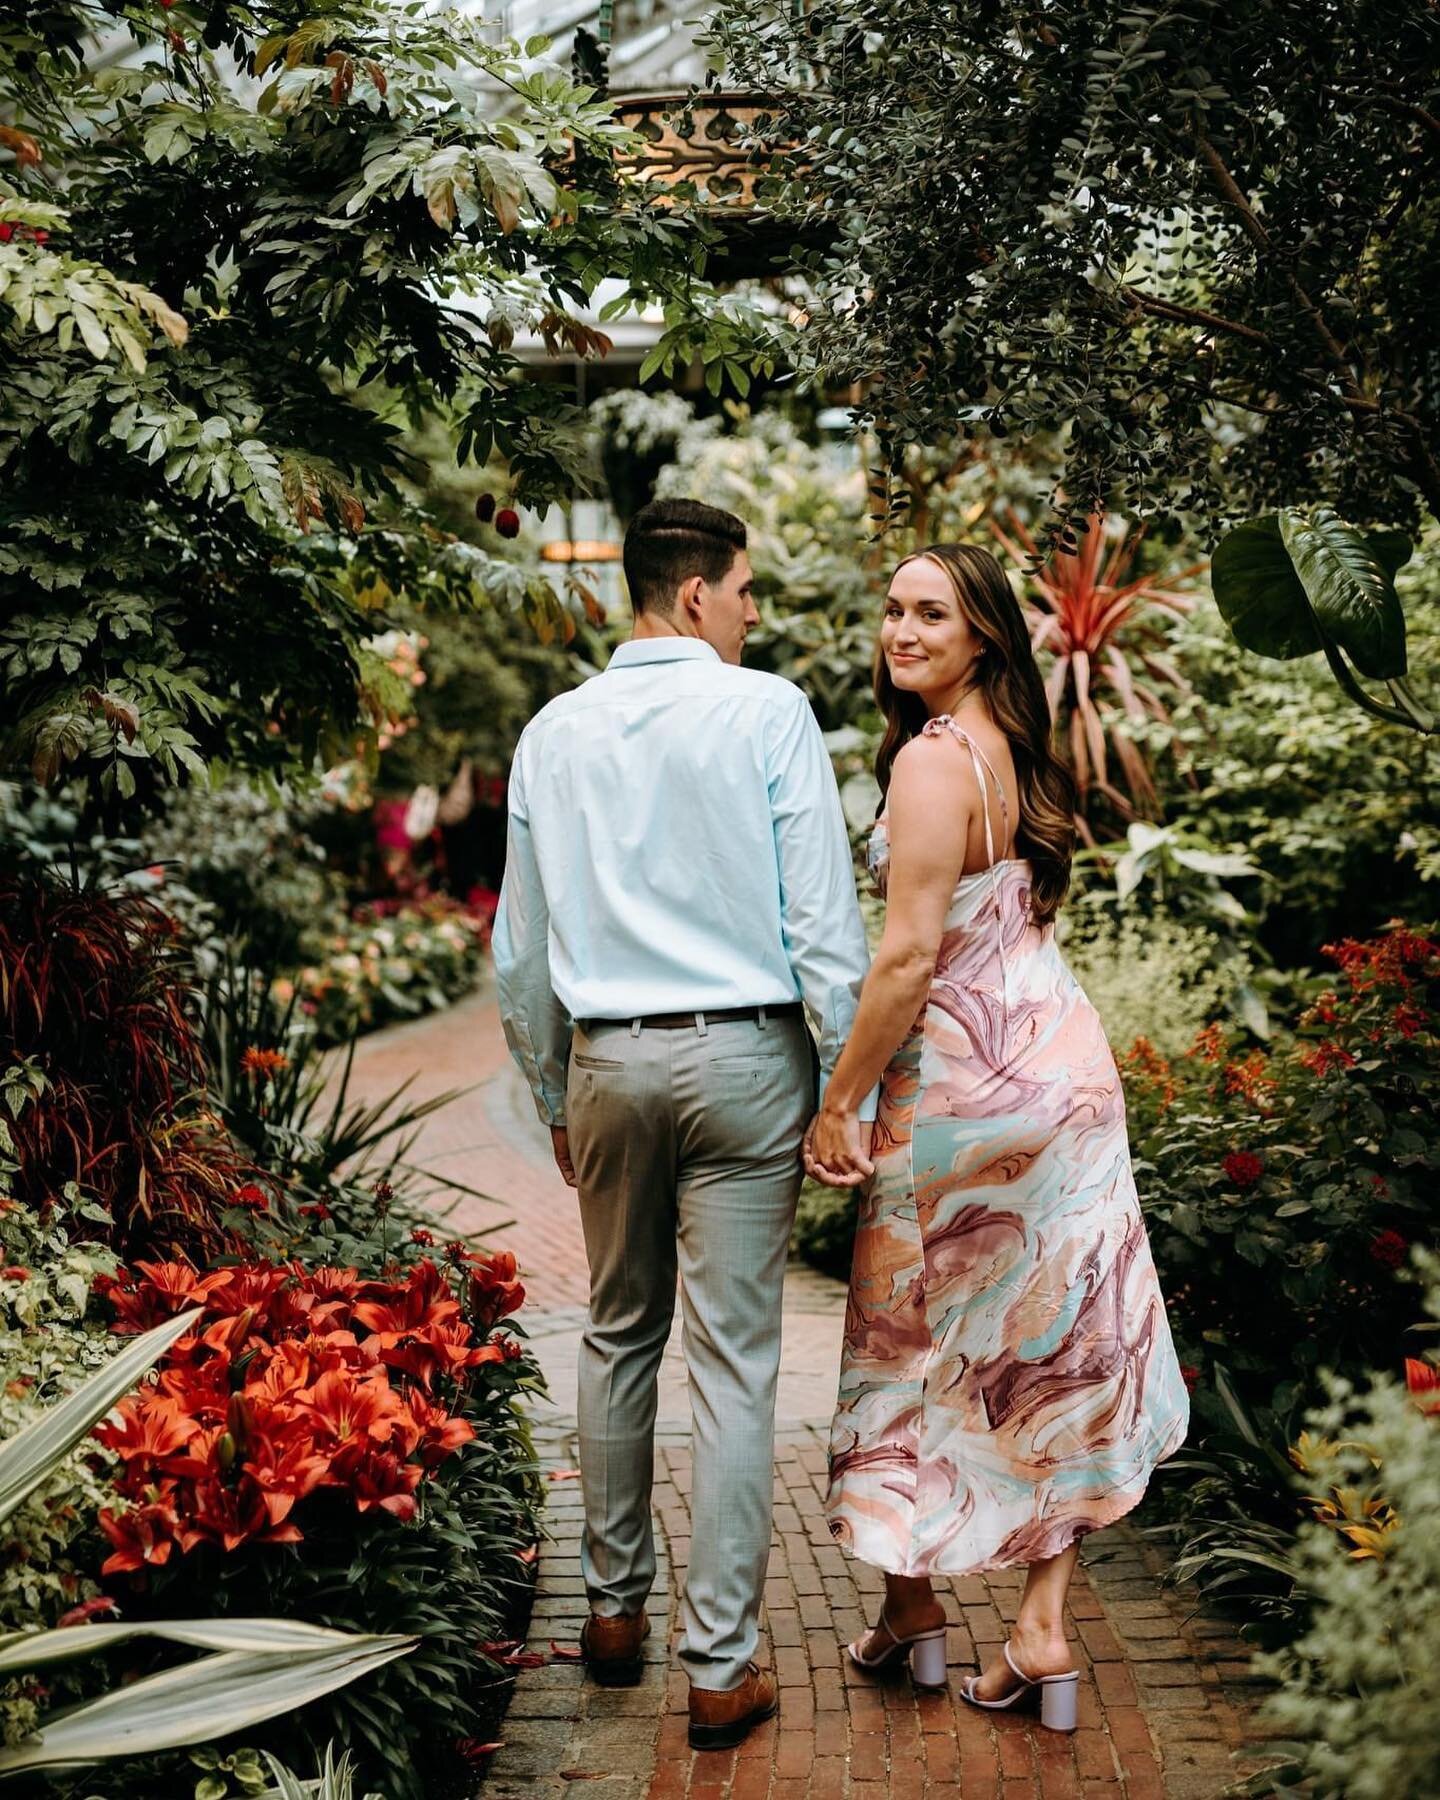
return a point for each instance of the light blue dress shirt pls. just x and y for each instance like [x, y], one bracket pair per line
[676, 844]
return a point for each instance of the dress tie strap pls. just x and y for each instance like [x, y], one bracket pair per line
[977, 758]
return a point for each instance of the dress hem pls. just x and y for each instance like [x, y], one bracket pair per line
[1130, 1498]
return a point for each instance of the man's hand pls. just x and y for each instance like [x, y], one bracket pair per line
[837, 1149]
[560, 1138]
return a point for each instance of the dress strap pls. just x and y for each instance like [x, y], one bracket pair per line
[982, 766]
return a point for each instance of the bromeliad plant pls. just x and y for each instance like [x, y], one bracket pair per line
[1102, 629]
[96, 999]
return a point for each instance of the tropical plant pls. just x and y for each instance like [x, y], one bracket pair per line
[242, 251]
[1093, 623]
[97, 1000]
[1294, 583]
[1199, 240]
[262, 1667]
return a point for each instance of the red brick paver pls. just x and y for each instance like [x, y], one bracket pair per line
[1165, 1691]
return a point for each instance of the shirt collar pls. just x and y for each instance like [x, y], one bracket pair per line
[662, 649]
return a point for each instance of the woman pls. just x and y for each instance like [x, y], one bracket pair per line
[1008, 1380]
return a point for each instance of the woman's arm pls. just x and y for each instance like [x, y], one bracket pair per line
[932, 799]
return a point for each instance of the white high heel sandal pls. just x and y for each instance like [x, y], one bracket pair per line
[1059, 1695]
[926, 1651]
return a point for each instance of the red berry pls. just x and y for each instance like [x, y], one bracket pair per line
[485, 508]
[507, 522]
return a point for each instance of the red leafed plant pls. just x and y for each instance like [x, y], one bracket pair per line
[294, 1382]
[1104, 631]
[95, 989]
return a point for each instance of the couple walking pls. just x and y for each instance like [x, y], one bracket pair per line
[678, 898]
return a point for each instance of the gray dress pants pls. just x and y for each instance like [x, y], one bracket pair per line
[686, 1146]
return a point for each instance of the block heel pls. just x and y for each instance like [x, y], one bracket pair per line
[1060, 1702]
[927, 1660]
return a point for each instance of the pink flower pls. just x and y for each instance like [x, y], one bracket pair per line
[1389, 1249]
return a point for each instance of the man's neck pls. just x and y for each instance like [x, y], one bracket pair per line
[659, 625]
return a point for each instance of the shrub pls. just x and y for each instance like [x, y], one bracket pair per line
[1304, 1174]
[98, 1001]
[49, 1342]
[372, 1424]
[387, 963]
[1361, 1687]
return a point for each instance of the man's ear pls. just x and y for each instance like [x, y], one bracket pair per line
[687, 597]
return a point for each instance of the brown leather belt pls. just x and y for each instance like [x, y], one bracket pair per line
[689, 1021]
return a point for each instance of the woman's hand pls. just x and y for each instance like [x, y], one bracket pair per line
[837, 1149]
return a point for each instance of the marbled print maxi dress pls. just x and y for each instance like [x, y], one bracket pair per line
[1008, 1380]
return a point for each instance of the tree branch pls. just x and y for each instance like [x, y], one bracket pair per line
[1195, 315]
[1230, 190]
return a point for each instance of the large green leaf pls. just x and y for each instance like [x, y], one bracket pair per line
[1351, 588]
[1260, 595]
[197, 1701]
[27, 1458]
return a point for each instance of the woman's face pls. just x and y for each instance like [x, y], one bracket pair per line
[928, 644]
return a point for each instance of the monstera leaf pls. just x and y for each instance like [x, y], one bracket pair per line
[1291, 582]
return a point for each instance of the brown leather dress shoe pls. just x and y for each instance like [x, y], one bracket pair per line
[612, 1647]
[720, 1717]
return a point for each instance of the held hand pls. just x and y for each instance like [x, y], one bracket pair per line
[560, 1139]
[837, 1149]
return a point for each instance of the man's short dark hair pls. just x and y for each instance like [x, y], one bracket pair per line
[669, 541]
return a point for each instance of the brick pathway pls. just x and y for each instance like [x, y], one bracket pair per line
[1165, 1692]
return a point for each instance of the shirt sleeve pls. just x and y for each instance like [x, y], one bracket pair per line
[537, 1027]
[819, 911]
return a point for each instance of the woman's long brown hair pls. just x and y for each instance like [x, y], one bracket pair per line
[1007, 676]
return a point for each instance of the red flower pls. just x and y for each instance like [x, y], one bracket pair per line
[1243, 1167]
[263, 1065]
[1408, 1019]
[142, 1534]
[317, 1209]
[1189, 1374]
[493, 1291]
[1423, 1381]
[40, 237]
[14, 1272]
[1209, 1044]
[421, 1236]
[1326, 1057]
[1389, 1249]
[440, 1433]
[252, 1197]
[86, 1611]
[7, 231]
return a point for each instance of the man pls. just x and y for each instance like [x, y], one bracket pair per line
[678, 882]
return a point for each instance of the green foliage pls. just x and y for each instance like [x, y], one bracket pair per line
[1200, 240]
[244, 251]
[49, 1344]
[824, 1232]
[1360, 1688]
[1334, 809]
[1294, 583]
